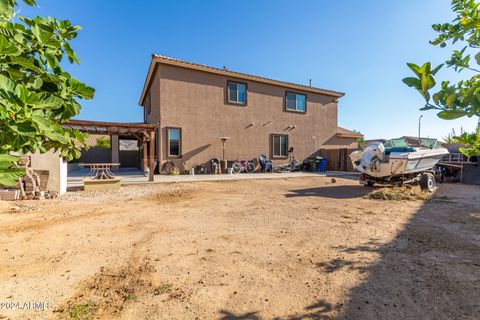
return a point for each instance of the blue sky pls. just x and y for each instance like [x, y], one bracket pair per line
[357, 47]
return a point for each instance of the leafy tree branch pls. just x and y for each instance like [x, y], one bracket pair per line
[36, 94]
[453, 100]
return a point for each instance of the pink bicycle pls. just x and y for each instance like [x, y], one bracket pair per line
[243, 165]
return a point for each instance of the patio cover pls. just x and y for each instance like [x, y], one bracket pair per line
[142, 131]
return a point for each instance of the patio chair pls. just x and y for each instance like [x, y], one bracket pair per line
[215, 163]
[265, 164]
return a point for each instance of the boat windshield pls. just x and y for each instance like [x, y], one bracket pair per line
[429, 143]
[396, 143]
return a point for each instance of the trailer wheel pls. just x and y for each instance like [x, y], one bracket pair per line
[427, 182]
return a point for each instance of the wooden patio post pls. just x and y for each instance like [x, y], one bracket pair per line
[152, 155]
[115, 147]
[145, 153]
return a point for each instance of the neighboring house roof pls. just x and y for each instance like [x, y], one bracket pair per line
[201, 67]
[345, 133]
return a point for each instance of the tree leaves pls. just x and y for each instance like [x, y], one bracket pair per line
[81, 90]
[462, 99]
[10, 176]
[9, 173]
[6, 9]
[428, 107]
[451, 115]
[30, 2]
[471, 141]
[425, 78]
[451, 99]
[6, 84]
[7, 160]
[7, 47]
[413, 82]
[36, 95]
[435, 70]
[26, 62]
[23, 128]
[49, 103]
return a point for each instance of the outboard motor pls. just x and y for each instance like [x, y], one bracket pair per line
[368, 159]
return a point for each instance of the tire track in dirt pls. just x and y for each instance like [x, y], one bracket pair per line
[42, 264]
[44, 223]
[93, 211]
[106, 294]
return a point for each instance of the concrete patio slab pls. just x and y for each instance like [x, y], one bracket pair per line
[134, 176]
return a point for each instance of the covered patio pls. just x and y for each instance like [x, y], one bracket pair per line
[142, 132]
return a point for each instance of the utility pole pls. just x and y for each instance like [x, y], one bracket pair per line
[419, 126]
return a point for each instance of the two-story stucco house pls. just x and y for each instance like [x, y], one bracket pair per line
[196, 105]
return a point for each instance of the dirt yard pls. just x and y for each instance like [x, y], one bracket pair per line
[304, 248]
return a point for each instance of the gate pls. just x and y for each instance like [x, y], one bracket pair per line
[338, 159]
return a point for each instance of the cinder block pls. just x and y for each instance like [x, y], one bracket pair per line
[9, 195]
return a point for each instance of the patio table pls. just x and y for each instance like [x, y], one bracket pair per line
[100, 171]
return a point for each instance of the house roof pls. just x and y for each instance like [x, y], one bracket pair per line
[345, 133]
[159, 59]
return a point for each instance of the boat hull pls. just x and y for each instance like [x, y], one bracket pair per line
[404, 163]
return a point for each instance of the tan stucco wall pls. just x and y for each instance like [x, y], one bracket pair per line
[154, 115]
[51, 161]
[196, 102]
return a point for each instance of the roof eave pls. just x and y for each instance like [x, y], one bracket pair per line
[358, 136]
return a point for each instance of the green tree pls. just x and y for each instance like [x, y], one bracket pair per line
[471, 141]
[453, 100]
[103, 142]
[361, 142]
[451, 137]
[36, 95]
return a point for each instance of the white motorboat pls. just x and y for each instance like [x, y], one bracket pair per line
[397, 162]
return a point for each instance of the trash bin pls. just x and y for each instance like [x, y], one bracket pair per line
[323, 165]
[316, 164]
[311, 165]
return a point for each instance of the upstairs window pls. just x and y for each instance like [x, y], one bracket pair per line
[295, 102]
[174, 142]
[237, 93]
[279, 145]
